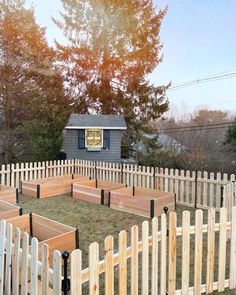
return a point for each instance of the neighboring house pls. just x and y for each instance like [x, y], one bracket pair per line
[94, 137]
[166, 143]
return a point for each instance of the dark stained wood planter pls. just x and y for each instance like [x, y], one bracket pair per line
[50, 187]
[141, 201]
[95, 191]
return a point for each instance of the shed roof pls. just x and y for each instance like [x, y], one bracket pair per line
[81, 121]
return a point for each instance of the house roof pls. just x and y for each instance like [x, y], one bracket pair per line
[80, 121]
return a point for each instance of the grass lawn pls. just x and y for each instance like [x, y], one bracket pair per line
[95, 223]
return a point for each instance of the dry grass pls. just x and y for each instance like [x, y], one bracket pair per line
[95, 223]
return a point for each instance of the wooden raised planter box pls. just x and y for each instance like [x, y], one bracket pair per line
[8, 210]
[8, 194]
[56, 235]
[94, 191]
[141, 201]
[50, 187]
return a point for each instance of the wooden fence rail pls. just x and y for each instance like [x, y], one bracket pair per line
[199, 189]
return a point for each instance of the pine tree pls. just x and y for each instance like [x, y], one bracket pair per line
[112, 47]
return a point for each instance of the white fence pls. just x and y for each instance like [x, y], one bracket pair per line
[166, 261]
[167, 256]
[21, 270]
[199, 189]
[230, 197]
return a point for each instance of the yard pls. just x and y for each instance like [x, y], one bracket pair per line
[96, 222]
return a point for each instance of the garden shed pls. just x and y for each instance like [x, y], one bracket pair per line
[94, 137]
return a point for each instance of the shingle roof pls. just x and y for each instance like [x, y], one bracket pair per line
[79, 121]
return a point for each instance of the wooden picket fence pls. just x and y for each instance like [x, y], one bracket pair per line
[21, 270]
[187, 259]
[229, 197]
[171, 255]
[193, 189]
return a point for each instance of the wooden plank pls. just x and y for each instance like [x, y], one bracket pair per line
[145, 258]
[171, 187]
[172, 253]
[58, 226]
[185, 252]
[8, 194]
[94, 269]
[2, 253]
[134, 260]
[24, 268]
[16, 262]
[182, 183]
[109, 266]
[152, 193]
[177, 184]
[44, 271]
[140, 203]
[122, 263]
[63, 242]
[187, 191]
[139, 206]
[222, 249]
[193, 191]
[154, 256]
[163, 254]
[56, 273]
[76, 266]
[199, 188]
[34, 267]
[8, 260]
[22, 222]
[210, 251]
[211, 192]
[198, 252]
[205, 186]
[232, 276]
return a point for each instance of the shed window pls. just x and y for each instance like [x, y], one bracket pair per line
[106, 139]
[81, 139]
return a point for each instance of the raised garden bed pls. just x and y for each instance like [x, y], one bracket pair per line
[95, 191]
[56, 235]
[141, 201]
[8, 210]
[8, 194]
[50, 187]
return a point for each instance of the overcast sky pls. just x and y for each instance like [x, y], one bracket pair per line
[199, 39]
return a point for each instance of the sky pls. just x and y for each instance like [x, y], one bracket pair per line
[199, 40]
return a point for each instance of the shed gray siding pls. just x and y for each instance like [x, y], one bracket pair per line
[107, 155]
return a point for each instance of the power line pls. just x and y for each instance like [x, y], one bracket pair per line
[203, 80]
[196, 129]
[209, 79]
[201, 125]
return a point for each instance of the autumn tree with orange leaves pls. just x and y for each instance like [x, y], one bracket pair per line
[32, 101]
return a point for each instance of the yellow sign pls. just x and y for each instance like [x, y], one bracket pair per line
[94, 138]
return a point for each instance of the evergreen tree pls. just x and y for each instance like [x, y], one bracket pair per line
[29, 82]
[231, 138]
[112, 46]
